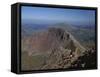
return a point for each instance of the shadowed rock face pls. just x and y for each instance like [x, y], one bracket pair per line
[58, 47]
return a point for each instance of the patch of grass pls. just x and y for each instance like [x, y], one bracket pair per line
[32, 62]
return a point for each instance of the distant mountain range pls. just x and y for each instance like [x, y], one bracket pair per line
[84, 34]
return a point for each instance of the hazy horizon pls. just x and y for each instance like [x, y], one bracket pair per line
[57, 15]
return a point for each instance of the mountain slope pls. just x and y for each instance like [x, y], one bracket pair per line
[50, 49]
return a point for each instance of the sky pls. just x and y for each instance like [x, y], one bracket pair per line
[56, 15]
